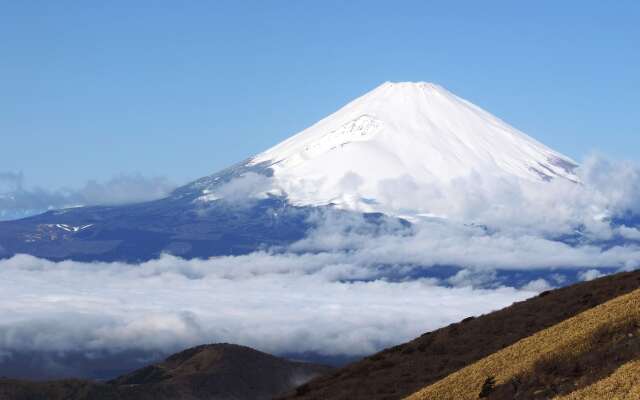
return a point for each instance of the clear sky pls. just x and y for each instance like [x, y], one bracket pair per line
[182, 89]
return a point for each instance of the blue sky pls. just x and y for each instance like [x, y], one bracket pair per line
[181, 89]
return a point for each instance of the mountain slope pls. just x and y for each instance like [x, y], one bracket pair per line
[556, 361]
[212, 372]
[144, 231]
[415, 135]
[622, 384]
[402, 370]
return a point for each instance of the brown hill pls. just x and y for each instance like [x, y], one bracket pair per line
[400, 371]
[592, 355]
[212, 372]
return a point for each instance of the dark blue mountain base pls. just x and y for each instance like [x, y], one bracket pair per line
[142, 232]
[179, 224]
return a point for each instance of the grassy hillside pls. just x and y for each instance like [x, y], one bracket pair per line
[578, 355]
[623, 384]
[402, 370]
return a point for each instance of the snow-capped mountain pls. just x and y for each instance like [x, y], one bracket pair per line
[416, 131]
[399, 132]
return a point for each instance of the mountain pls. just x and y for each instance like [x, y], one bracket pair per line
[211, 372]
[445, 354]
[418, 131]
[417, 134]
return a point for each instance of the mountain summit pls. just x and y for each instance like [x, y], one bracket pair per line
[417, 131]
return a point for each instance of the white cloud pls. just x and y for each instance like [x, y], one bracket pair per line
[278, 303]
[629, 233]
[538, 285]
[249, 185]
[437, 242]
[16, 200]
[473, 278]
[349, 288]
[559, 207]
[589, 275]
[242, 191]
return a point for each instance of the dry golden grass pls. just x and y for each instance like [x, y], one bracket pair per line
[569, 339]
[623, 384]
[400, 371]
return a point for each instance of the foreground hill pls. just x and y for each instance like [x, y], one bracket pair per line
[574, 359]
[212, 372]
[403, 370]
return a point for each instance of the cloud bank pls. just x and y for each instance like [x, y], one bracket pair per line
[607, 189]
[343, 290]
[284, 303]
[16, 200]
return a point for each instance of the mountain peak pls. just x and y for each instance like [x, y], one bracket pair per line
[416, 131]
[407, 90]
[411, 85]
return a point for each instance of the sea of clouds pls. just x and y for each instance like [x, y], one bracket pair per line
[343, 290]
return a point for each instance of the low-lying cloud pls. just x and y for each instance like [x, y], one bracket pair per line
[344, 290]
[242, 191]
[16, 200]
[283, 303]
[437, 242]
[606, 189]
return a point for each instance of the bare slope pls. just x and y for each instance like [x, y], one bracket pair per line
[402, 370]
[569, 356]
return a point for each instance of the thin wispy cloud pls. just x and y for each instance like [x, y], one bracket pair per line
[18, 200]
